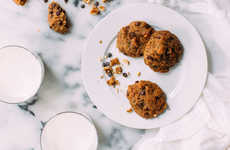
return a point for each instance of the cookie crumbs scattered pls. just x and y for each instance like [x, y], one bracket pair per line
[94, 11]
[100, 41]
[139, 74]
[118, 70]
[114, 62]
[113, 82]
[102, 76]
[129, 110]
[125, 61]
[87, 1]
[102, 8]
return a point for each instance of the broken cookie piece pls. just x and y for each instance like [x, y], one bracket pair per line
[57, 18]
[113, 82]
[114, 62]
[118, 70]
[20, 2]
[94, 11]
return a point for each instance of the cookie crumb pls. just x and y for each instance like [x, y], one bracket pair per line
[138, 74]
[118, 70]
[87, 1]
[113, 82]
[94, 11]
[66, 1]
[109, 71]
[114, 62]
[129, 110]
[104, 1]
[125, 75]
[20, 2]
[128, 73]
[117, 90]
[46, 1]
[100, 59]
[126, 61]
[102, 8]
[102, 76]
[100, 41]
[105, 56]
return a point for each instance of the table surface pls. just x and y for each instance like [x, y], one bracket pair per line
[62, 90]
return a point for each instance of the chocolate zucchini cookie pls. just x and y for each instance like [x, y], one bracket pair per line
[162, 51]
[132, 39]
[20, 2]
[147, 99]
[57, 18]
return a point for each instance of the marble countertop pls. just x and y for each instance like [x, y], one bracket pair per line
[62, 90]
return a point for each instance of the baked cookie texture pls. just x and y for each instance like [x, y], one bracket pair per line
[132, 39]
[57, 18]
[147, 99]
[162, 51]
[20, 2]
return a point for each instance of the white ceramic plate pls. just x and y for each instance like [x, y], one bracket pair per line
[183, 84]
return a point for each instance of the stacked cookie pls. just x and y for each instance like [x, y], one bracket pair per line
[162, 50]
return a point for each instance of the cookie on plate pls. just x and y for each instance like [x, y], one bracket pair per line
[20, 2]
[57, 18]
[147, 99]
[132, 39]
[162, 51]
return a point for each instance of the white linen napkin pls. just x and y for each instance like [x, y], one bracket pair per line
[207, 125]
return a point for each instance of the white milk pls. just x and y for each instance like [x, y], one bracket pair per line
[20, 74]
[69, 131]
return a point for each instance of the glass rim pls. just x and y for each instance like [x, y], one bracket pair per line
[70, 112]
[38, 58]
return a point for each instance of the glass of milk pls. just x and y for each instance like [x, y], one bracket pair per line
[22, 73]
[69, 131]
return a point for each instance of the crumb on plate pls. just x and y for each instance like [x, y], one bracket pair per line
[113, 82]
[118, 70]
[114, 62]
[129, 110]
[138, 74]
[126, 61]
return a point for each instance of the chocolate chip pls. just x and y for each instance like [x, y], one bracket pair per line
[94, 106]
[60, 23]
[141, 105]
[105, 64]
[142, 92]
[109, 73]
[136, 81]
[66, 1]
[137, 23]
[132, 35]
[147, 26]
[82, 5]
[149, 57]
[146, 114]
[96, 3]
[53, 5]
[109, 55]
[141, 54]
[58, 13]
[125, 75]
[45, 1]
[51, 12]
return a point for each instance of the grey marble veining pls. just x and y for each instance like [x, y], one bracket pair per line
[62, 90]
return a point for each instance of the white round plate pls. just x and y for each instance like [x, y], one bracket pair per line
[183, 84]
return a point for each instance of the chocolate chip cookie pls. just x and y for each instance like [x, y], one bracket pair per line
[147, 99]
[132, 39]
[57, 18]
[20, 2]
[162, 51]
